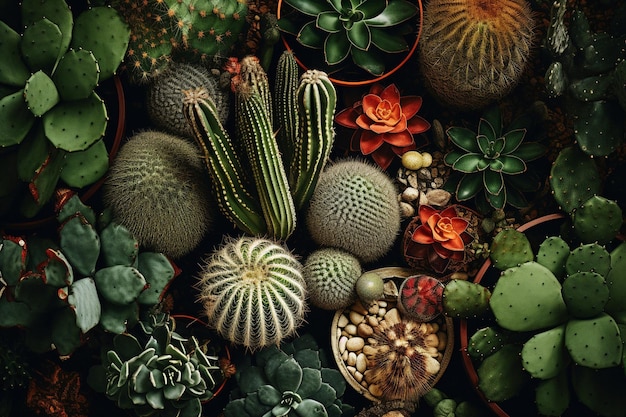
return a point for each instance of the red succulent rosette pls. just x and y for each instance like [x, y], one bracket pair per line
[437, 239]
[385, 123]
[421, 297]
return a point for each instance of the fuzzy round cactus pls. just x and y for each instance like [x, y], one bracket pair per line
[354, 207]
[473, 52]
[330, 276]
[164, 98]
[253, 291]
[158, 189]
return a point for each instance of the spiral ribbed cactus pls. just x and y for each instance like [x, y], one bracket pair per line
[354, 207]
[158, 189]
[164, 101]
[330, 276]
[473, 52]
[253, 291]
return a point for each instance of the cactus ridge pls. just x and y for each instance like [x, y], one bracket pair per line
[330, 276]
[157, 188]
[253, 292]
[354, 207]
[285, 108]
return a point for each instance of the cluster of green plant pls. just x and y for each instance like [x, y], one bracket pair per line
[53, 121]
[92, 274]
[365, 31]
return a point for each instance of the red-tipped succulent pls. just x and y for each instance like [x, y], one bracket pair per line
[421, 297]
[385, 123]
[439, 240]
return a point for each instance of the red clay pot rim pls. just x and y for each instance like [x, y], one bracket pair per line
[463, 333]
[346, 83]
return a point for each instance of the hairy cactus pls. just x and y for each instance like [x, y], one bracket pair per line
[354, 207]
[253, 292]
[330, 275]
[158, 189]
[473, 52]
[164, 100]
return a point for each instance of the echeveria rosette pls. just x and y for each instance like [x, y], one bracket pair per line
[441, 237]
[365, 30]
[491, 161]
[385, 123]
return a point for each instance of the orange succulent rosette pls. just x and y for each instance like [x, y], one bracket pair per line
[385, 123]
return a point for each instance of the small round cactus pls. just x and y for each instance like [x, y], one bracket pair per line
[354, 207]
[253, 291]
[473, 52]
[330, 276]
[164, 101]
[158, 189]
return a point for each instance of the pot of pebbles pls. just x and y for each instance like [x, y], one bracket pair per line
[384, 355]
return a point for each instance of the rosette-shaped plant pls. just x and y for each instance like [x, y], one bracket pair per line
[439, 240]
[491, 163]
[385, 123]
[167, 376]
[365, 30]
[290, 381]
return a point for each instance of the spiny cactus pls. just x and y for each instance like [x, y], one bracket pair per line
[253, 291]
[164, 99]
[354, 207]
[158, 189]
[473, 52]
[330, 276]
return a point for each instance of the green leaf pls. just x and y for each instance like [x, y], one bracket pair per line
[84, 300]
[485, 145]
[513, 139]
[269, 395]
[371, 8]
[13, 71]
[397, 11]
[530, 151]
[493, 182]
[463, 138]
[515, 198]
[388, 42]
[497, 201]
[329, 22]
[485, 128]
[290, 376]
[360, 36]
[336, 48]
[468, 163]
[370, 61]
[15, 119]
[469, 186]
[512, 165]
[493, 117]
[311, 37]
[308, 7]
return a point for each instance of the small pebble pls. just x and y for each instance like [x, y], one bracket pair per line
[355, 317]
[343, 340]
[355, 344]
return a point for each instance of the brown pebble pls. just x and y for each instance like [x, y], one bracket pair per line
[355, 344]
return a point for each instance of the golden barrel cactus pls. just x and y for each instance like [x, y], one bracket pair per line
[473, 52]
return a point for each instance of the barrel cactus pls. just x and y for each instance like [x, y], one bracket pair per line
[354, 207]
[473, 52]
[330, 276]
[164, 99]
[252, 291]
[158, 189]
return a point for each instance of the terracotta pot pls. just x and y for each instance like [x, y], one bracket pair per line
[112, 92]
[486, 274]
[348, 78]
[393, 277]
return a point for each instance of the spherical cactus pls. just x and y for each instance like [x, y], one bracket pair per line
[158, 188]
[473, 52]
[330, 276]
[354, 207]
[253, 291]
[164, 101]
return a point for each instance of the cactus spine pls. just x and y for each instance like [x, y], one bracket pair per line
[224, 165]
[268, 171]
[316, 101]
[253, 292]
[285, 108]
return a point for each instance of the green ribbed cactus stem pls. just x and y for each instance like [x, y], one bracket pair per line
[164, 98]
[253, 292]
[316, 100]
[354, 207]
[158, 188]
[330, 276]
[285, 108]
[231, 182]
[270, 178]
[473, 52]
[255, 78]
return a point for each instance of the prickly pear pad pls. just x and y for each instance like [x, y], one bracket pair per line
[528, 297]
